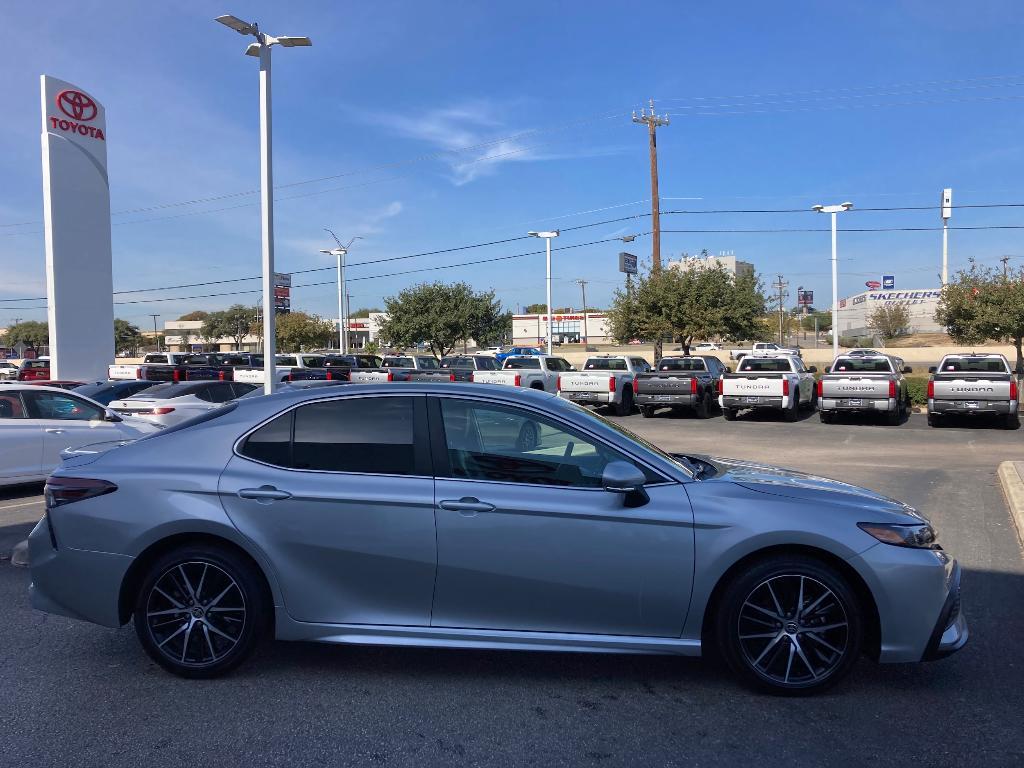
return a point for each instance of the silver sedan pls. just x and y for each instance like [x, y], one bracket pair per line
[172, 403]
[478, 517]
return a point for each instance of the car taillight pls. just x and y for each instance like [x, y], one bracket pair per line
[821, 388]
[636, 386]
[1013, 389]
[892, 389]
[693, 386]
[785, 387]
[64, 490]
[220, 375]
[289, 377]
[519, 380]
[558, 383]
[611, 384]
[391, 375]
[162, 410]
[451, 377]
[931, 390]
[329, 376]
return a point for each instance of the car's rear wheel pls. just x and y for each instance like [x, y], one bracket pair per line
[625, 405]
[646, 411]
[200, 611]
[1011, 421]
[703, 409]
[792, 413]
[933, 420]
[826, 417]
[729, 414]
[791, 624]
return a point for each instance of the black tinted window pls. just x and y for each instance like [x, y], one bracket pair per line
[523, 363]
[681, 364]
[604, 364]
[356, 435]
[767, 365]
[271, 443]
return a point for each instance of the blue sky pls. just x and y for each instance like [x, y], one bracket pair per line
[774, 106]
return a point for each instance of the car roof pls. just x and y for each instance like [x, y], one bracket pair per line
[491, 391]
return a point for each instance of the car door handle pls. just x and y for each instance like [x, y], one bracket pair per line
[466, 504]
[264, 493]
[54, 431]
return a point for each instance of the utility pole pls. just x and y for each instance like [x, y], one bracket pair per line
[583, 287]
[156, 334]
[1005, 260]
[947, 211]
[781, 286]
[652, 121]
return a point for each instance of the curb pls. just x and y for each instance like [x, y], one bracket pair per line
[1013, 491]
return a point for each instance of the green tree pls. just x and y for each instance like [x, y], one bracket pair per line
[982, 303]
[535, 309]
[31, 333]
[197, 315]
[442, 314]
[236, 322]
[890, 321]
[364, 312]
[298, 331]
[127, 337]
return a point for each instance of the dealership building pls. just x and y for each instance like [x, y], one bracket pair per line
[569, 328]
[854, 311]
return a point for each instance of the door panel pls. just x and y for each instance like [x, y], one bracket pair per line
[557, 553]
[21, 439]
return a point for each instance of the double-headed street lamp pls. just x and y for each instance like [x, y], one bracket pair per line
[341, 251]
[547, 238]
[261, 49]
[834, 209]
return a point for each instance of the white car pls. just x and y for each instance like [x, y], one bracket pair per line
[167, 404]
[37, 423]
[8, 370]
[706, 346]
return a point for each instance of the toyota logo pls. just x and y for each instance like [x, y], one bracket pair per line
[76, 105]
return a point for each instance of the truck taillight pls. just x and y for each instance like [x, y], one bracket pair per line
[451, 377]
[330, 376]
[391, 375]
[558, 383]
[220, 375]
[718, 386]
[821, 388]
[289, 378]
[176, 375]
[611, 384]
[693, 386]
[1013, 389]
[140, 373]
[636, 386]
[785, 387]
[931, 390]
[518, 380]
[892, 390]
[64, 490]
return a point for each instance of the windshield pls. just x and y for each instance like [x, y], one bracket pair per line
[862, 365]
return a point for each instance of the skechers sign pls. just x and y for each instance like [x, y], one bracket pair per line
[905, 297]
[79, 109]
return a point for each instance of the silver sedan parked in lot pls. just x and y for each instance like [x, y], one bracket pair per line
[166, 404]
[475, 516]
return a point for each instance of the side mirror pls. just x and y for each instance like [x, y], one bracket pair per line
[932, 369]
[813, 369]
[111, 416]
[625, 478]
[907, 369]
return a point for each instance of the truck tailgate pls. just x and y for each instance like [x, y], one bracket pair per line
[123, 372]
[508, 378]
[965, 387]
[665, 383]
[754, 385]
[867, 387]
[369, 377]
[598, 381]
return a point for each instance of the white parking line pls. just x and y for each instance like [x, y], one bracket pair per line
[23, 504]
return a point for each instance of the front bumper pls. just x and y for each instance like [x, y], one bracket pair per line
[950, 633]
[688, 400]
[856, 404]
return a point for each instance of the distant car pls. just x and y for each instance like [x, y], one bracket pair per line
[8, 370]
[36, 369]
[59, 384]
[38, 422]
[167, 404]
[105, 392]
[705, 346]
[517, 352]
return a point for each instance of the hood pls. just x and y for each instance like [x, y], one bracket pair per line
[764, 478]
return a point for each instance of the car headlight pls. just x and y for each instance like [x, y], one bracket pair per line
[916, 535]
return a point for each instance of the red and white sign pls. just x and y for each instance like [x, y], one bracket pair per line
[280, 292]
[76, 110]
[873, 285]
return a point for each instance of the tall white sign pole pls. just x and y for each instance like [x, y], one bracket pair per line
[76, 213]
[835, 292]
[267, 228]
[947, 212]
[547, 240]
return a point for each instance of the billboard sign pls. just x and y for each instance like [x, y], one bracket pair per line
[76, 214]
[282, 293]
[873, 285]
[805, 298]
[282, 280]
[889, 282]
[627, 263]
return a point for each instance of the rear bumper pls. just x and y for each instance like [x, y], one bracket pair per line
[589, 398]
[1004, 407]
[843, 404]
[642, 398]
[754, 401]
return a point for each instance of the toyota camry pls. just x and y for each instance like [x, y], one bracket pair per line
[471, 516]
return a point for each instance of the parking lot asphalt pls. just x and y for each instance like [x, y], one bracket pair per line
[75, 694]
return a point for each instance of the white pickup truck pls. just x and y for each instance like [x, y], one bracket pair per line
[762, 349]
[779, 383]
[969, 384]
[533, 372]
[285, 366]
[605, 380]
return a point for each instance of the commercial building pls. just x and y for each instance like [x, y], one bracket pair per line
[565, 328]
[854, 311]
[726, 259]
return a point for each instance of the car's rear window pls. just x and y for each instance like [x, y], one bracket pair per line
[167, 391]
[36, 364]
[974, 365]
[681, 364]
[398, 362]
[861, 365]
[204, 416]
[522, 362]
[765, 365]
[604, 364]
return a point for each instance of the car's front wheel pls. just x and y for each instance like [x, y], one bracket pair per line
[790, 624]
[200, 611]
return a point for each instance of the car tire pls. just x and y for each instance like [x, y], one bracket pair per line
[646, 411]
[766, 641]
[703, 409]
[625, 405]
[894, 417]
[826, 417]
[793, 412]
[1011, 421]
[933, 420]
[729, 414]
[187, 638]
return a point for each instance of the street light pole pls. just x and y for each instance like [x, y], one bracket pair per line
[341, 251]
[834, 209]
[261, 49]
[547, 238]
[156, 334]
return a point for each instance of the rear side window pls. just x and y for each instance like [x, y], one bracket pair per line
[272, 443]
[356, 435]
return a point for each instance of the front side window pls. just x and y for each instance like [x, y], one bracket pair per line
[52, 405]
[505, 444]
